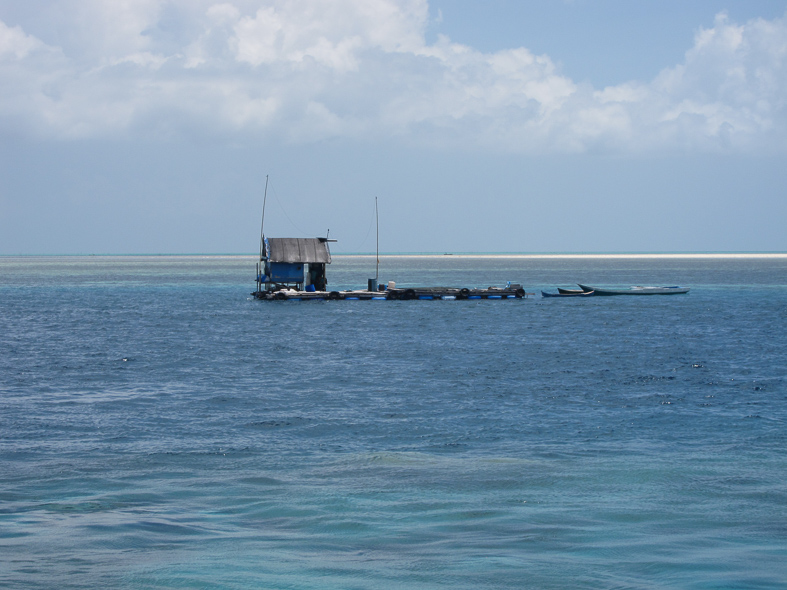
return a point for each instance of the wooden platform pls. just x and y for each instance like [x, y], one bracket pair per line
[410, 294]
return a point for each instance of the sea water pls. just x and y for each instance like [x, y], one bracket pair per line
[160, 428]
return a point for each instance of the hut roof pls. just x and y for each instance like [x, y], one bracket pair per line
[295, 250]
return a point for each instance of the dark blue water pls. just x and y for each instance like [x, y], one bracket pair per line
[161, 429]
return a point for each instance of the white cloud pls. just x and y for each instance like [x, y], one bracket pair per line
[731, 87]
[97, 30]
[15, 44]
[304, 70]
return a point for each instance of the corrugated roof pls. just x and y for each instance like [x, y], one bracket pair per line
[293, 250]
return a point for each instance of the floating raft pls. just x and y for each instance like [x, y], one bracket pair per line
[416, 293]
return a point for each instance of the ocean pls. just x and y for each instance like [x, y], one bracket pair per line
[160, 428]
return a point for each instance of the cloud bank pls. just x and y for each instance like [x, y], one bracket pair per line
[303, 71]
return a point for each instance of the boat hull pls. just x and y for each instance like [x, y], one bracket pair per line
[637, 291]
[572, 294]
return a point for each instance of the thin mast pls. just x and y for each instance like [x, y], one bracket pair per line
[377, 220]
[262, 225]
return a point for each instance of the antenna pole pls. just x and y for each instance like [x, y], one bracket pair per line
[262, 225]
[377, 220]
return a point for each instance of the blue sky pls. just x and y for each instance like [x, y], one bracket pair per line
[502, 126]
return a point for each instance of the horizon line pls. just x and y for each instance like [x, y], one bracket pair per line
[613, 254]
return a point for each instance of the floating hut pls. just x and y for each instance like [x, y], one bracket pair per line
[294, 269]
[293, 264]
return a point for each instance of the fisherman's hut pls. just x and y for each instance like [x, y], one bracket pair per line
[293, 263]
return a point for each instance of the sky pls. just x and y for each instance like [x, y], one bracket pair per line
[150, 126]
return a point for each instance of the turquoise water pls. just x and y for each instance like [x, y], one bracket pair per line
[159, 428]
